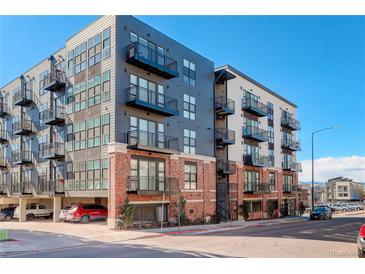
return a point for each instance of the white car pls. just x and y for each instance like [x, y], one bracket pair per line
[63, 213]
[34, 211]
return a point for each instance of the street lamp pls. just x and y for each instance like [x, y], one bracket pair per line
[314, 132]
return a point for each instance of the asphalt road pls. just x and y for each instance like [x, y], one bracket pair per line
[330, 238]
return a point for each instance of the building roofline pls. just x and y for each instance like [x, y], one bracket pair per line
[229, 67]
[44, 59]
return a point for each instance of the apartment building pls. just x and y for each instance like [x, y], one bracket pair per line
[120, 112]
[256, 145]
[342, 189]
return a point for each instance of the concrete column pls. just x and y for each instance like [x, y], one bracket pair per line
[22, 209]
[57, 204]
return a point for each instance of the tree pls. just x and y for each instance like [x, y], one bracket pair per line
[245, 211]
[182, 216]
[126, 215]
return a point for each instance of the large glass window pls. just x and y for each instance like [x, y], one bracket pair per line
[93, 90]
[288, 183]
[105, 129]
[146, 90]
[41, 82]
[252, 179]
[106, 43]
[271, 134]
[80, 136]
[189, 72]
[189, 107]
[190, 176]
[105, 96]
[79, 96]
[270, 111]
[147, 174]
[80, 58]
[94, 49]
[271, 157]
[189, 141]
[93, 132]
[146, 132]
[272, 181]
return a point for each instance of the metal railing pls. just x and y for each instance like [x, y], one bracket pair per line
[50, 186]
[21, 125]
[224, 104]
[3, 188]
[22, 156]
[290, 122]
[250, 104]
[225, 135]
[290, 144]
[151, 97]
[54, 113]
[158, 140]
[152, 55]
[54, 76]
[22, 187]
[3, 134]
[50, 149]
[256, 160]
[23, 94]
[3, 108]
[293, 166]
[226, 166]
[257, 187]
[255, 133]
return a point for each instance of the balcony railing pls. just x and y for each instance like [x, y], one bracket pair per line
[25, 187]
[290, 123]
[53, 116]
[3, 109]
[151, 184]
[55, 80]
[3, 188]
[226, 167]
[22, 127]
[290, 144]
[255, 133]
[291, 166]
[289, 188]
[225, 136]
[23, 97]
[51, 187]
[52, 151]
[151, 60]
[254, 107]
[158, 142]
[257, 188]
[224, 106]
[22, 157]
[3, 162]
[256, 160]
[3, 136]
[151, 100]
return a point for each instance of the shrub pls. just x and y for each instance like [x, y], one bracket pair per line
[126, 215]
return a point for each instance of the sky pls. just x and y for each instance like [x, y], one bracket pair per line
[317, 62]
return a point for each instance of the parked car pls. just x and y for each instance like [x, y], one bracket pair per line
[6, 214]
[321, 213]
[34, 211]
[84, 213]
[354, 206]
[361, 242]
[63, 213]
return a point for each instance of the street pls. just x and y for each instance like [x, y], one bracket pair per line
[330, 238]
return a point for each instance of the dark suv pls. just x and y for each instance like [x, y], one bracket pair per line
[6, 214]
[321, 213]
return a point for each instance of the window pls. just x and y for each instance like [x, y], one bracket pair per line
[93, 175]
[271, 157]
[189, 74]
[69, 137]
[80, 136]
[69, 100]
[41, 80]
[147, 91]
[251, 150]
[105, 96]
[93, 91]
[253, 206]
[94, 50]
[42, 141]
[16, 90]
[105, 129]
[147, 174]
[272, 181]
[42, 108]
[79, 96]
[80, 58]
[79, 176]
[146, 132]
[270, 111]
[190, 176]
[288, 182]
[133, 37]
[104, 173]
[93, 132]
[271, 134]
[189, 107]
[106, 43]
[252, 180]
[189, 141]
[286, 160]
[70, 63]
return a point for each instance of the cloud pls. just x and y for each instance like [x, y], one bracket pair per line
[325, 168]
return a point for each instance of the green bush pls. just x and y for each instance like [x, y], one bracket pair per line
[126, 215]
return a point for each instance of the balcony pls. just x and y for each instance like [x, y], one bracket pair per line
[23, 127]
[226, 167]
[155, 142]
[55, 80]
[291, 166]
[225, 136]
[3, 163]
[54, 116]
[49, 187]
[23, 97]
[290, 144]
[22, 157]
[256, 160]
[151, 60]
[290, 123]
[22, 188]
[152, 101]
[290, 188]
[257, 188]
[3, 136]
[254, 107]
[52, 151]
[255, 134]
[3, 110]
[150, 185]
[3, 189]
[224, 106]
